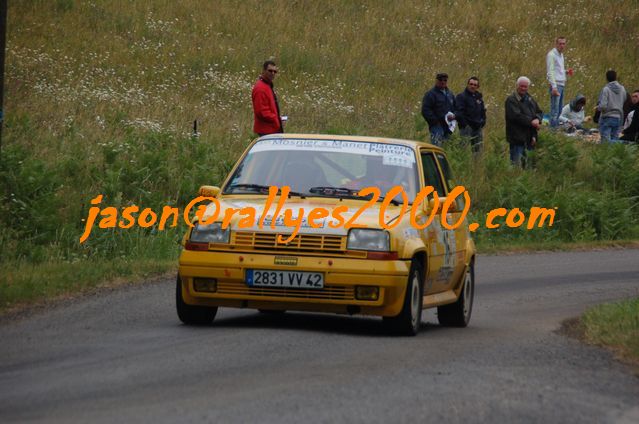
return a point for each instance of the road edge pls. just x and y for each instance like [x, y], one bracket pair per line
[575, 329]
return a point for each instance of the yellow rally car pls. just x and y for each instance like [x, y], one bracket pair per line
[381, 266]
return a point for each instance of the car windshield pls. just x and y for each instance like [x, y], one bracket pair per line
[326, 168]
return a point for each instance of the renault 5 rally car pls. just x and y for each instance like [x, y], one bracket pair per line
[289, 229]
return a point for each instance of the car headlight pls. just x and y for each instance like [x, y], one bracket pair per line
[212, 233]
[364, 239]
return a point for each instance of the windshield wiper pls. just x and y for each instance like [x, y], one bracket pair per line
[260, 188]
[249, 187]
[393, 201]
[332, 191]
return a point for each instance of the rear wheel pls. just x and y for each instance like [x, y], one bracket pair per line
[409, 320]
[190, 314]
[458, 314]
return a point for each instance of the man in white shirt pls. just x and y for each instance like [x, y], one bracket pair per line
[556, 76]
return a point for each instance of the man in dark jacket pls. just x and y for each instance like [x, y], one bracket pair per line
[631, 127]
[439, 102]
[523, 119]
[470, 112]
[266, 109]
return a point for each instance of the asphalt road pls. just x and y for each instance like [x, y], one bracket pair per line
[123, 356]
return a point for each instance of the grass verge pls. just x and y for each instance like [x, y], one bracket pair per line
[30, 284]
[529, 247]
[615, 326]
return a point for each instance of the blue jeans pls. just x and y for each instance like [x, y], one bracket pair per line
[476, 137]
[556, 104]
[609, 129]
[518, 154]
[438, 135]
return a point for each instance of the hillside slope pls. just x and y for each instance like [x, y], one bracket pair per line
[100, 98]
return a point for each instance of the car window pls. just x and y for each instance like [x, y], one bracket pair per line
[448, 174]
[431, 174]
[306, 163]
[448, 177]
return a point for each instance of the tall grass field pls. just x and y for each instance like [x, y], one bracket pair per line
[101, 96]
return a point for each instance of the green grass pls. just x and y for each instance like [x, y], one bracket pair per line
[616, 326]
[527, 246]
[101, 97]
[125, 257]
[29, 283]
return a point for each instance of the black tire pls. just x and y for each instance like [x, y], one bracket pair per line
[458, 314]
[189, 314]
[409, 320]
[272, 311]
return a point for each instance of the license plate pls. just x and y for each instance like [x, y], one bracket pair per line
[286, 279]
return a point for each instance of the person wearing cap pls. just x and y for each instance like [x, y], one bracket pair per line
[266, 109]
[470, 112]
[437, 104]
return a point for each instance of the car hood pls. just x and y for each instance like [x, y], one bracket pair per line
[368, 217]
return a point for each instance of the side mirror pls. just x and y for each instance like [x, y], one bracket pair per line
[432, 205]
[452, 208]
[429, 205]
[208, 191]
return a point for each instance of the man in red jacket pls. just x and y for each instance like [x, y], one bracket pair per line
[266, 110]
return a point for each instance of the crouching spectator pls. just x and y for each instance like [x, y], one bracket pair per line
[573, 115]
[631, 126]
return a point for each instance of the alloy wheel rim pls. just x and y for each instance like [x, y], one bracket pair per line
[414, 305]
[468, 291]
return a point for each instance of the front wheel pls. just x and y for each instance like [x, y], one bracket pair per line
[458, 314]
[409, 320]
[190, 314]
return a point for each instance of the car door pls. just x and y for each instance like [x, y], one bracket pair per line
[456, 238]
[435, 237]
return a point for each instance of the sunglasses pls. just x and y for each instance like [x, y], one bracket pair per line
[473, 84]
[273, 71]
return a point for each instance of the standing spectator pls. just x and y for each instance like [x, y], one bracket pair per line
[470, 113]
[631, 126]
[266, 109]
[611, 100]
[438, 102]
[573, 114]
[556, 75]
[523, 119]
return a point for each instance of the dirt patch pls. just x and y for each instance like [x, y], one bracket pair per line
[575, 329]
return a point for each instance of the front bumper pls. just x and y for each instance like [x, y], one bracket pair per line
[338, 294]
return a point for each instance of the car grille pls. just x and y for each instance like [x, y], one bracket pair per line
[328, 292]
[301, 242]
